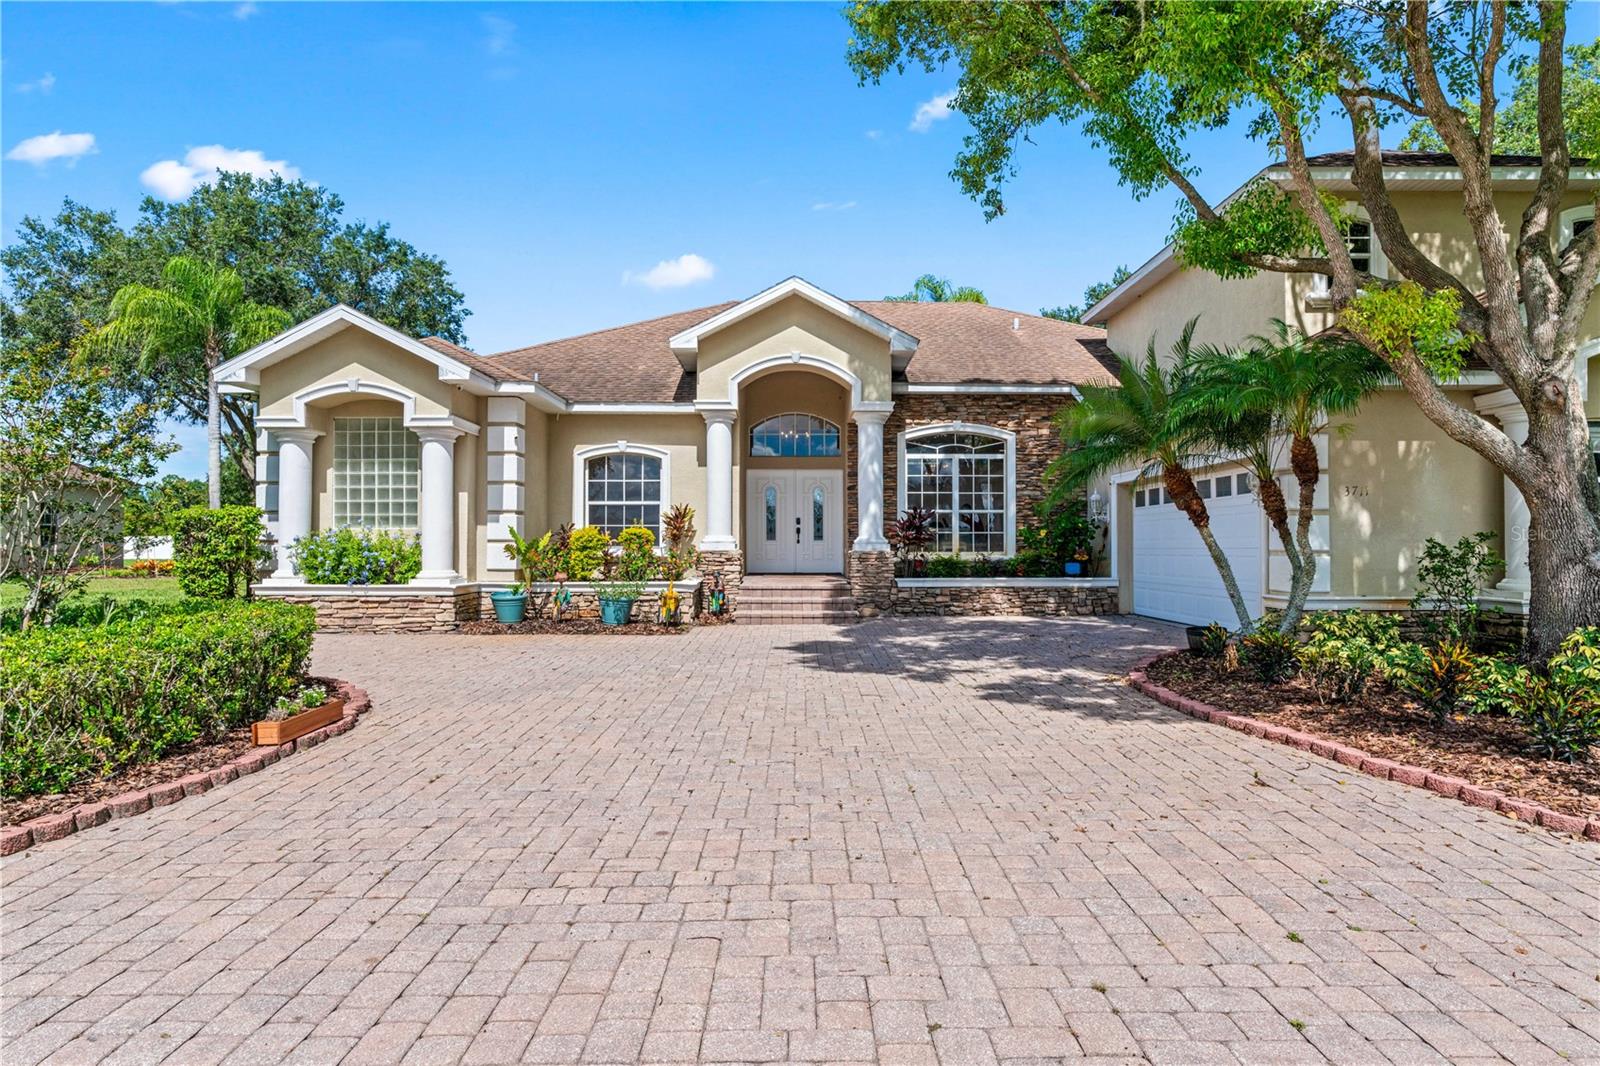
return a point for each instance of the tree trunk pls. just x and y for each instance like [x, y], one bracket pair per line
[1307, 471]
[1563, 557]
[1180, 486]
[213, 434]
[1277, 512]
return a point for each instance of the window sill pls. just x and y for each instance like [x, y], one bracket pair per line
[1006, 582]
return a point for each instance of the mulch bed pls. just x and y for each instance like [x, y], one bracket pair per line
[569, 627]
[1488, 750]
[199, 757]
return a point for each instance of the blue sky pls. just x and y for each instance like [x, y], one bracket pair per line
[554, 155]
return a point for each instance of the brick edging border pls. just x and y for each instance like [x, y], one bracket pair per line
[1387, 769]
[47, 827]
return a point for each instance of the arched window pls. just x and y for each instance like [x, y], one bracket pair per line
[965, 475]
[794, 435]
[622, 489]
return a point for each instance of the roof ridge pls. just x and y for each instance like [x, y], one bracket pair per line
[709, 310]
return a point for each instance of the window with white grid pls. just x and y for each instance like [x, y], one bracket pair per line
[374, 473]
[623, 490]
[961, 478]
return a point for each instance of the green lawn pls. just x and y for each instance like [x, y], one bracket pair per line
[154, 589]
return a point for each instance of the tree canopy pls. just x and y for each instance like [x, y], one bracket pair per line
[1517, 123]
[1092, 295]
[932, 289]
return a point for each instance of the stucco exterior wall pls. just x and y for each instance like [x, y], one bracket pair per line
[683, 436]
[1396, 480]
[794, 324]
[1229, 310]
[355, 354]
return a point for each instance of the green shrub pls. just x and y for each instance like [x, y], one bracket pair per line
[357, 557]
[1496, 686]
[1578, 661]
[947, 566]
[1448, 582]
[1213, 641]
[586, 553]
[1441, 678]
[215, 553]
[1562, 719]
[1274, 656]
[637, 561]
[90, 700]
[1378, 630]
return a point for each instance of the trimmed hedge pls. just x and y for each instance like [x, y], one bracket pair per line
[91, 700]
[215, 552]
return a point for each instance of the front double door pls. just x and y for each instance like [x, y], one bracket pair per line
[794, 521]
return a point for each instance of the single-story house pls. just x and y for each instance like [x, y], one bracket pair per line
[795, 423]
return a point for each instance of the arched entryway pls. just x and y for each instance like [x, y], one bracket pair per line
[793, 452]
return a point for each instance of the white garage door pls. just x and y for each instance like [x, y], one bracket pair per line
[1173, 575]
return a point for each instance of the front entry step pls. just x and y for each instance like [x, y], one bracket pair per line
[795, 599]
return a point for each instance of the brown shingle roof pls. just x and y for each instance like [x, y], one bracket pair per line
[1393, 158]
[960, 342]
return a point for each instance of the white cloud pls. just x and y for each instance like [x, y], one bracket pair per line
[834, 205]
[874, 135]
[41, 86]
[47, 146]
[245, 10]
[687, 269]
[173, 180]
[502, 35]
[931, 111]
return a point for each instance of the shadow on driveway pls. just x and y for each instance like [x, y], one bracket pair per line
[1054, 664]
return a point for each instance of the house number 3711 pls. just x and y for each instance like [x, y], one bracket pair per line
[1353, 491]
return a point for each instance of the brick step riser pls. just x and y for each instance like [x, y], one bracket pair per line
[795, 619]
[804, 601]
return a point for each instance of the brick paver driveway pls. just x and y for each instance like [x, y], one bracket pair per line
[911, 842]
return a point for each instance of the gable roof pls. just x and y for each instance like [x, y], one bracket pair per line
[959, 343]
[686, 344]
[1408, 171]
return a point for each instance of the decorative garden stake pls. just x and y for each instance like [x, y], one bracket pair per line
[719, 596]
[669, 606]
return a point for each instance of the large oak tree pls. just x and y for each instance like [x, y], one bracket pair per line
[1143, 79]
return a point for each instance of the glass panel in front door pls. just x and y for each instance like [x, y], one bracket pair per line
[772, 512]
[817, 523]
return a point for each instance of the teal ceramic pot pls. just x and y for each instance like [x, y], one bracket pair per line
[615, 612]
[509, 606]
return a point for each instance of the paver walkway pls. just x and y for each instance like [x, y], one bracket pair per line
[949, 841]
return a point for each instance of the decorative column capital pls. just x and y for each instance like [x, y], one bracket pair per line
[872, 416]
[295, 434]
[719, 416]
[437, 434]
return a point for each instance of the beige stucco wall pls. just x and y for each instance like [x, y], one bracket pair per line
[1229, 310]
[1395, 479]
[683, 436]
[794, 324]
[355, 354]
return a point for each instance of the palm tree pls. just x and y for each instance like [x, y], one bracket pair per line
[1142, 422]
[195, 319]
[1292, 386]
[931, 289]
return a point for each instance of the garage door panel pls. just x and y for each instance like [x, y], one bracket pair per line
[1173, 575]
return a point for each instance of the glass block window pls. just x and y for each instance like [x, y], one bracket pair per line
[375, 463]
[794, 435]
[961, 478]
[623, 490]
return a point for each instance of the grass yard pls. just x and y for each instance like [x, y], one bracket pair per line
[154, 589]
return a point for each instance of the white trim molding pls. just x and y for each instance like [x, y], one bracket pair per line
[580, 459]
[1568, 219]
[245, 369]
[686, 344]
[795, 360]
[981, 429]
[985, 388]
[1006, 582]
[356, 388]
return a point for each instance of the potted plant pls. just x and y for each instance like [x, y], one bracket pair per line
[1078, 565]
[510, 605]
[296, 715]
[633, 563]
[617, 599]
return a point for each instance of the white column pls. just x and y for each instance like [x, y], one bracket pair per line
[506, 448]
[436, 504]
[1517, 582]
[719, 482]
[294, 494]
[869, 481]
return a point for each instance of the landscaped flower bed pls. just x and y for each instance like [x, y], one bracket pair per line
[1491, 751]
[569, 627]
[87, 698]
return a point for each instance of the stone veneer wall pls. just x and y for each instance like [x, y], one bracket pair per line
[420, 612]
[1003, 600]
[871, 577]
[1029, 417]
[731, 566]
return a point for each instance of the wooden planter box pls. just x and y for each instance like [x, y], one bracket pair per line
[297, 726]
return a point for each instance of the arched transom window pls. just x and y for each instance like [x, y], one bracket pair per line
[964, 477]
[794, 435]
[622, 489]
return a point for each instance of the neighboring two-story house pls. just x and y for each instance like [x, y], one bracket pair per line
[1391, 478]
